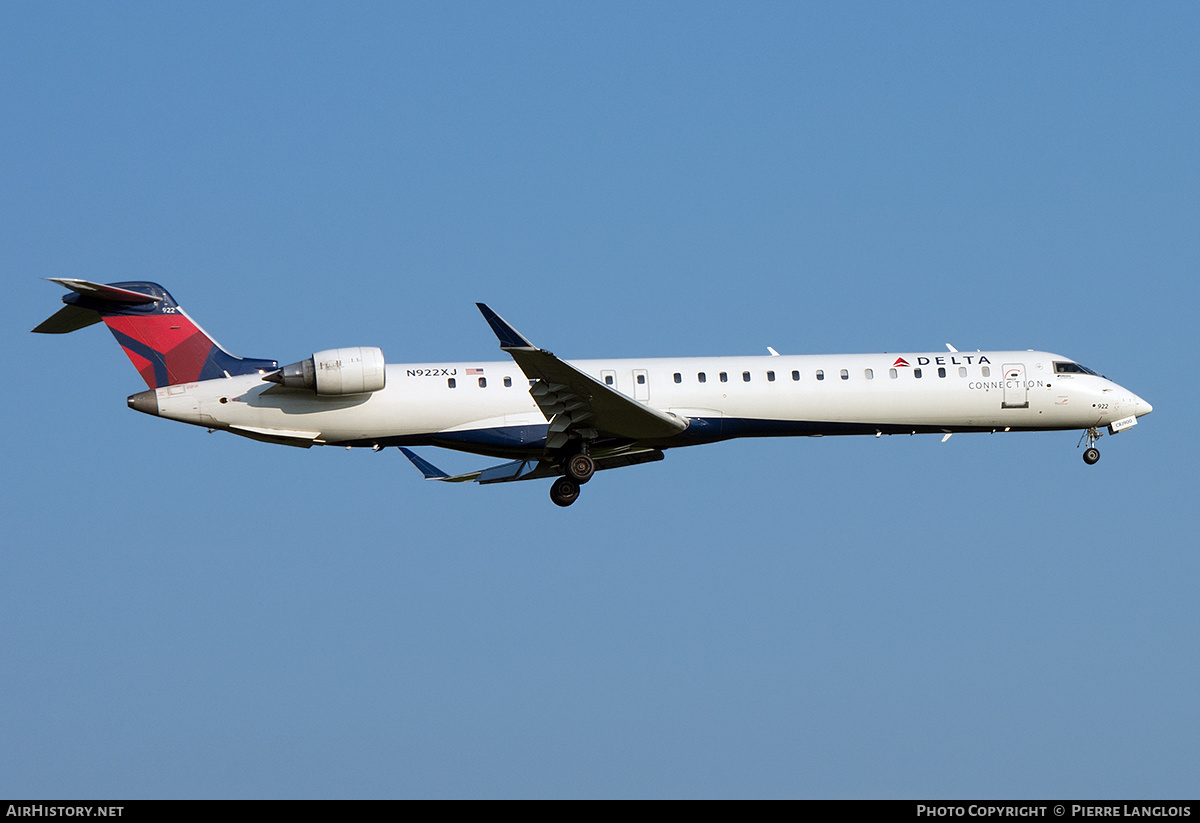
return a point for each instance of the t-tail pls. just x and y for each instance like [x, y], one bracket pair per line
[165, 345]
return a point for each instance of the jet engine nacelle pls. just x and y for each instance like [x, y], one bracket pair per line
[335, 372]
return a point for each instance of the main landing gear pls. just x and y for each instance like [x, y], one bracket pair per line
[578, 469]
[564, 492]
[1091, 454]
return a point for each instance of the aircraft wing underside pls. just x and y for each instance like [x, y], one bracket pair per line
[529, 469]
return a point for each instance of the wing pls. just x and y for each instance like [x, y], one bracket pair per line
[528, 469]
[578, 403]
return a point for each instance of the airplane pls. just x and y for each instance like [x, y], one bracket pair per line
[567, 420]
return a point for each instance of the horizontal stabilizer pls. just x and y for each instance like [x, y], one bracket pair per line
[68, 319]
[72, 317]
[100, 291]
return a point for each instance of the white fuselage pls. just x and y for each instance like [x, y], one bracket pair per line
[486, 408]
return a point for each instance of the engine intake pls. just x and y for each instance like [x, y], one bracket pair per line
[335, 372]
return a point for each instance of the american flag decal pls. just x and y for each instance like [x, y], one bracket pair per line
[474, 371]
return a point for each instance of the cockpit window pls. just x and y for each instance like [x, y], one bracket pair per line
[1065, 367]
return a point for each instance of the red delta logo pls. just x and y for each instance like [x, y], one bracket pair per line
[900, 361]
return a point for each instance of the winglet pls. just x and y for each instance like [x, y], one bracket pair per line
[430, 471]
[510, 338]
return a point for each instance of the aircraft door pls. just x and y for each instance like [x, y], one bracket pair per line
[1016, 392]
[641, 386]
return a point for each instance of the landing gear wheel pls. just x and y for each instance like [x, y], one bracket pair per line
[580, 468]
[1091, 454]
[564, 492]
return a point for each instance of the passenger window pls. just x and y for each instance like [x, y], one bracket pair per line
[451, 382]
[942, 372]
[795, 375]
[845, 374]
[892, 373]
[745, 377]
[641, 378]
[917, 373]
[678, 377]
[962, 371]
[724, 377]
[870, 375]
[770, 377]
[987, 372]
[702, 377]
[508, 382]
[608, 379]
[820, 374]
[483, 382]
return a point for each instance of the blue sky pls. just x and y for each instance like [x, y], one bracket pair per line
[194, 615]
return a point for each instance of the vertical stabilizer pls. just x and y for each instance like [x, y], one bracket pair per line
[164, 344]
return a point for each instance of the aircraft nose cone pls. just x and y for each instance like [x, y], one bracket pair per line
[145, 401]
[1141, 407]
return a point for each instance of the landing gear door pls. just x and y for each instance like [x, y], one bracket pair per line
[1016, 392]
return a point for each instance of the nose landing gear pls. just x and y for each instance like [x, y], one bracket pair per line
[1091, 454]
